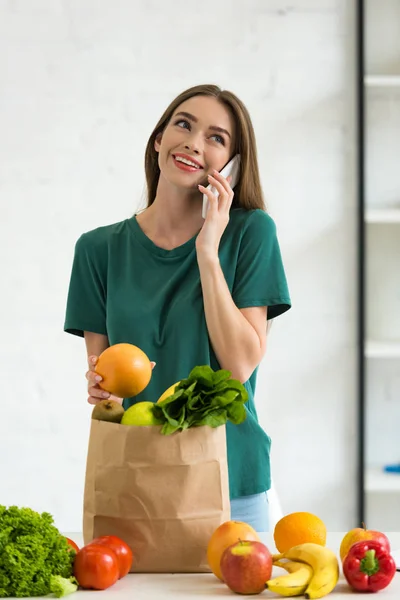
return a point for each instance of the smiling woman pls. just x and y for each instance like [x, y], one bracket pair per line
[226, 123]
[198, 139]
[186, 290]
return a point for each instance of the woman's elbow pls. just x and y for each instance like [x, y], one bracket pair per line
[244, 372]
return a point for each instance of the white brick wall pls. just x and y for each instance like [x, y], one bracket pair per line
[82, 84]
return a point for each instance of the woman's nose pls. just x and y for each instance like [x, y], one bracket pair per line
[194, 142]
[192, 148]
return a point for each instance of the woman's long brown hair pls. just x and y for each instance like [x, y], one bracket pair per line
[248, 192]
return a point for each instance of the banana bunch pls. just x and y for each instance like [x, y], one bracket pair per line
[313, 570]
[294, 584]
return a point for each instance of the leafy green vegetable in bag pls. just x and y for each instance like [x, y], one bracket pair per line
[32, 550]
[206, 397]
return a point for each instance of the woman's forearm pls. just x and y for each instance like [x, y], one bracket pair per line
[236, 343]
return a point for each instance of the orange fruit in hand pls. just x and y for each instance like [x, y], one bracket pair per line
[299, 528]
[224, 536]
[125, 369]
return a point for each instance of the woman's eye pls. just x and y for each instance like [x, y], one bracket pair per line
[219, 139]
[183, 123]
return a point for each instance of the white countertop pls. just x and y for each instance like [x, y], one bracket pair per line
[161, 586]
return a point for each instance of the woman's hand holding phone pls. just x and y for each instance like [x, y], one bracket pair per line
[232, 170]
[207, 242]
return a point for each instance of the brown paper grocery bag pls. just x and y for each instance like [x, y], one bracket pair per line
[163, 495]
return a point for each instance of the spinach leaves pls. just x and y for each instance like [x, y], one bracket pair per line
[206, 397]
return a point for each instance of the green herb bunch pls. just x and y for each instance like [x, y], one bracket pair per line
[206, 397]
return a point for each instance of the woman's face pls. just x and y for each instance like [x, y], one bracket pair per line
[198, 138]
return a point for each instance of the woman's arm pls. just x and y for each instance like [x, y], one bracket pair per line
[96, 343]
[238, 336]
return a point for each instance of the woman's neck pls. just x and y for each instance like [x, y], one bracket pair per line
[174, 217]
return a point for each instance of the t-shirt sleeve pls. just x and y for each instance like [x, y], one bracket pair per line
[86, 301]
[260, 278]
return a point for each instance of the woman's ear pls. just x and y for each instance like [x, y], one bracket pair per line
[157, 142]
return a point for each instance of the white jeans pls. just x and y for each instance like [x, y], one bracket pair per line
[252, 510]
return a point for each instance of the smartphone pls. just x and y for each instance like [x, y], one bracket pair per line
[232, 168]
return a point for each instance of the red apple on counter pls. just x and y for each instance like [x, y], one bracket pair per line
[359, 534]
[246, 566]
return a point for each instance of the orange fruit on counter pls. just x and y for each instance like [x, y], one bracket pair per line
[224, 536]
[125, 369]
[299, 528]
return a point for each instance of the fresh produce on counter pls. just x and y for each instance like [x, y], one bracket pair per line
[236, 555]
[246, 566]
[293, 584]
[103, 561]
[72, 544]
[96, 567]
[121, 549]
[360, 534]
[227, 534]
[369, 566]
[60, 586]
[32, 553]
[297, 528]
[37, 560]
[322, 561]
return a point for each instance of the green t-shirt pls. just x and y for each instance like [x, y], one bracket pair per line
[124, 286]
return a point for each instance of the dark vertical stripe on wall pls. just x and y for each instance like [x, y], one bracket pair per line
[360, 28]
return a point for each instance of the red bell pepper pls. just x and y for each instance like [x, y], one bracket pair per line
[368, 567]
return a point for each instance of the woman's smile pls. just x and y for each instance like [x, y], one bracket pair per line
[185, 162]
